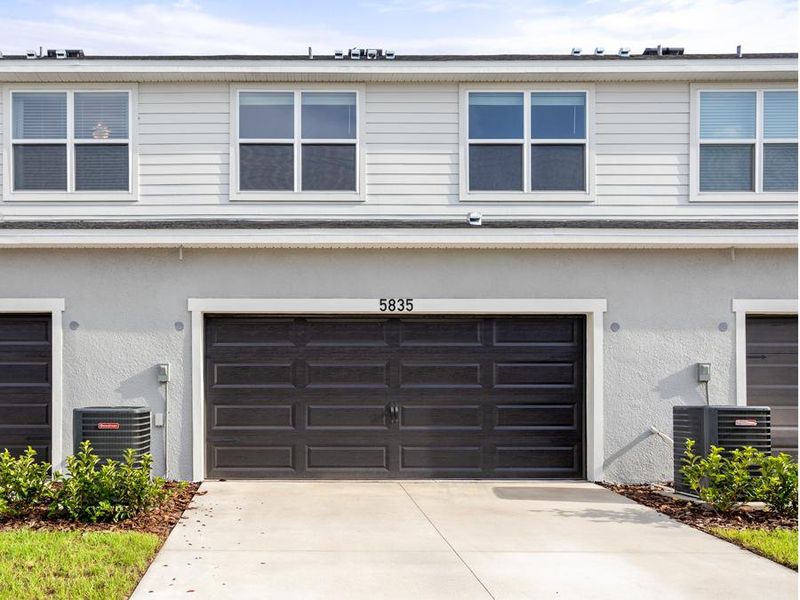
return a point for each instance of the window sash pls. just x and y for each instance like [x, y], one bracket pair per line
[71, 141]
[298, 141]
[527, 141]
[759, 141]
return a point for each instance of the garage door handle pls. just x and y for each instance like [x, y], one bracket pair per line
[394, 412]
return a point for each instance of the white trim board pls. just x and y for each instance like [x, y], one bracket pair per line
[55, 307]
[405, 238]
[592, 308]
[741, 308]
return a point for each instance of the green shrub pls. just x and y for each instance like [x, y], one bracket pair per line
[777, 485]
[109, 492]
[24, 483]
[723, 479]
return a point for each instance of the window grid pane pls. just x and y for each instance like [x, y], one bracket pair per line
[726, 167]
[780, 167]
[329, 167]
[328, 115]
[39, 115]
[101, 167]
[101, 115]
[558, 115]
[496, 116]
[780, 115]
[40, 167]
[727, 115]
[266, 115]
[558, 167]
[495, 167]
[266, 167]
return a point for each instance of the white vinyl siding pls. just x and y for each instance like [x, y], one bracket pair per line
[641, 144]
[639, 153]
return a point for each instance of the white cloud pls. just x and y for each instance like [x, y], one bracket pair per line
[185, 27]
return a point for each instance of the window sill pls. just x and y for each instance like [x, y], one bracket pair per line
[68, 197]
[748, 197]
[289, 197]
[530, 197]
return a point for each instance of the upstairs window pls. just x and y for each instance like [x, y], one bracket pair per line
[298, 141]
[527, 142]
[748, 141]
[70, 141]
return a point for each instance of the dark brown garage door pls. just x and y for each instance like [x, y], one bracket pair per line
[772, 375]
[25, 383]
[394, 397]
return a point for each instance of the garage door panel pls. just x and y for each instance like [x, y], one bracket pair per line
[255, 332]
[347, 333]
[534, 331]
[253, 375]
[253, 416]
[346, 378]
[416, 374]
[346, 416]
[439, 333]
[25, 383]
[335, 457]
[441, 417]
[347, 374]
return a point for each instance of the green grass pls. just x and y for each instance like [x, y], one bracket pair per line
[72, 564]
[779, 545]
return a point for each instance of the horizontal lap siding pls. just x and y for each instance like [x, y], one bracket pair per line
[641, 144]
[183, 143]
[412, 144]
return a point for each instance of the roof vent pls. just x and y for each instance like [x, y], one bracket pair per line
[355, 54]
[576, 52]
[310, 53]
[31, 54]
[739, 51]
[388, 54]
[372, 54]
[599, 51]
[662, 51]
[338, 55]
[624, 52]
[61, 54]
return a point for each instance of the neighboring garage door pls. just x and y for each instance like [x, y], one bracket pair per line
[362, 397]
[772, 375]
[25, 383]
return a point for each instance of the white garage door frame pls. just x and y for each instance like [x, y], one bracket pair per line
[593, 309]
[55, 308]
[742, 308]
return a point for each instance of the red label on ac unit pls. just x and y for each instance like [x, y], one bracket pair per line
[746, 423]
[108, 425]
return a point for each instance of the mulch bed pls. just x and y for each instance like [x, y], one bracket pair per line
[699, 515]
[159, 521]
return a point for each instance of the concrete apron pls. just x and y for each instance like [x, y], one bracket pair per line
[445, 539]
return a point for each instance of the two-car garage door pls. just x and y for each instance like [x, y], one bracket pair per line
[375, 397]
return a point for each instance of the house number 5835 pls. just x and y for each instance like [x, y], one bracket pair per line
[396, 304]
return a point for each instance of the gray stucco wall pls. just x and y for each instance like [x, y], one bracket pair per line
[668, 303]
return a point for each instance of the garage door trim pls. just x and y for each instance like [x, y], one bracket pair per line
[54, 307]
[592, 308]
[742, 308]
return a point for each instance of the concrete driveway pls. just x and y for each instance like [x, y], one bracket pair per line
[449, 540]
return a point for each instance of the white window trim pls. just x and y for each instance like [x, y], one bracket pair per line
[131, 195]
[298, 195]
[741, 309]
[695, 195]
[55, 308]
[526, 195]
[594, 310]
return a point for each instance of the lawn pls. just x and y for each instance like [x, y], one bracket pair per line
[779, 545]
[102, 565]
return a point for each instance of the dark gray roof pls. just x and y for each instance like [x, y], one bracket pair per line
[428, 57]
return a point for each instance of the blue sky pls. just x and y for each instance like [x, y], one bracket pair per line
[407, 26]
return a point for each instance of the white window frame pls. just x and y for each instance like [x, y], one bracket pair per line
[758, 194]
[70, 194]
[527, 194]
[297, 195]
